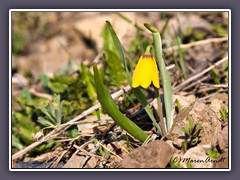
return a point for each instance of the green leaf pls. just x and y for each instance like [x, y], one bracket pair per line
[26, 130]
[108, 43]
[98, 116]
[215, 76]
[178, 105]
[49, 115]
[16, 142]
[119, 48]
[18, 42]
[219, 29]
[197, 129]
[174, 164]
[185, 145]
[44, 122]
[115, 67]
[72, 131]
[186, 131]
[213, 153]
[194, 141]
[88, 79]
[165, 78]
[43, 78]
[190, 124]
[110, 107]
[164, 29]
[189, 165]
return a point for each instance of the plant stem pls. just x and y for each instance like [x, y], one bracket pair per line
[159, 111]
[160, 115]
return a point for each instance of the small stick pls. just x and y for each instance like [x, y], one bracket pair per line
[83, 150]
[110, 151]
[179, 87]
[185, 46]
[195, 83]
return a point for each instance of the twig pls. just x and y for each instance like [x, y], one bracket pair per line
[215, 85]
[211, 95]
[110, 151]
[205, 89]
[83, 150]
[181, 86]
[195, 83]
[55, 163]
[185, 46]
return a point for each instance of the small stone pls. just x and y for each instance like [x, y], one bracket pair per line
[222, 139]
[156, 154]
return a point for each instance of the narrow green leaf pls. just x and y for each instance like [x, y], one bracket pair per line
[165, 78]
[115, 67]
[44, 122]
[164, 29]
[98, 116]
[119, 48]
[215, 76]
[49, 116]
[198, 128]
[186, 131]
[194, 141]
[185, 145]
[16, 142]
[110, 107]
[190, 123]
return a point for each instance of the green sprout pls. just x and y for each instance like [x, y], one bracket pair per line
[215, 76]
[213, 153]
[174, 164]
[52, 112]
[191, 134]
[224, 113]
[177, 106]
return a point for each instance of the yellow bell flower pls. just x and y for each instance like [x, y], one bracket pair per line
[146, 71]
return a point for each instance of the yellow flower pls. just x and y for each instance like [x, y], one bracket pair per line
[146, 72]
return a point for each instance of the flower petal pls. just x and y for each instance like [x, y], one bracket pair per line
[136, 79]
[147, 70]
